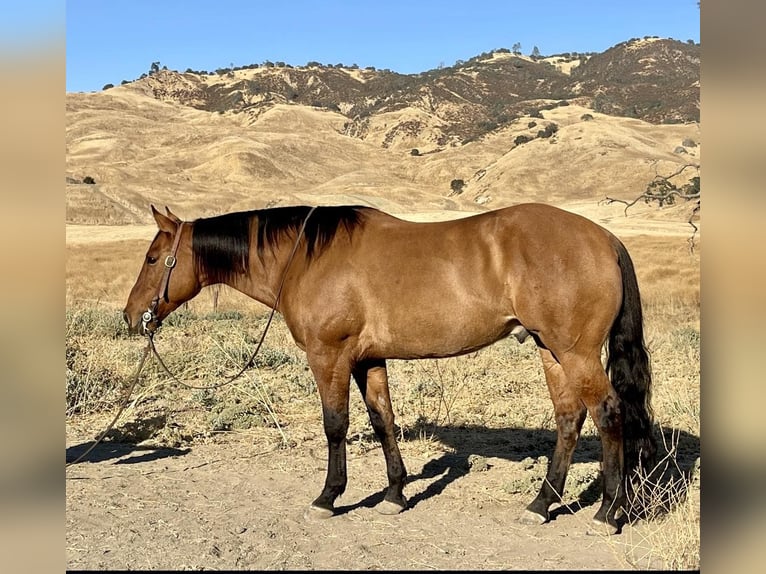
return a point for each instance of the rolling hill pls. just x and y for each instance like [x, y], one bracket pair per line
[492, 131]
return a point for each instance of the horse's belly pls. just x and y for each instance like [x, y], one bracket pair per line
[444, 335]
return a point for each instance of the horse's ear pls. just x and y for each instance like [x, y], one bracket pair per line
[172, 215]
[163, 222]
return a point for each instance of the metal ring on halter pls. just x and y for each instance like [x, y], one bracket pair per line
[147, 317]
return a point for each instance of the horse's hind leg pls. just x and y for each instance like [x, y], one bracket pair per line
[333, 376]
[604, 407]
[570, 415]
[372, 379]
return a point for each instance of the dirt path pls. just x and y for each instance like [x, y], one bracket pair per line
[233, 507]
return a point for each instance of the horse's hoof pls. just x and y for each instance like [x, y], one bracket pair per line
[390, 508]
[532, 518]
[599, 528]
[317, 513]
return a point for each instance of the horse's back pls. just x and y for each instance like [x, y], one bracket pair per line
[408, 289]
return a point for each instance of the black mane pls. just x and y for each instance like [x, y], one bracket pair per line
[221, 244]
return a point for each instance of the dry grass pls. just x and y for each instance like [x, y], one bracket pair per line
[103, 272]
[669, 497]
[663, 515]
[669, 278]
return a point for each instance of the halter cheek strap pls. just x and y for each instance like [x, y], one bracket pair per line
[170, 262]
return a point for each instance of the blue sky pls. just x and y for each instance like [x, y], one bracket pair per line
[111, 41]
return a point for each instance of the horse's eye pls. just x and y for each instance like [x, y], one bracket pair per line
[151, 260]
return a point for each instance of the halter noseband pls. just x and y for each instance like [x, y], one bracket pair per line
[170, 262]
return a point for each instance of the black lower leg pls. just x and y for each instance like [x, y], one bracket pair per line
[569, 425]
[336, 427]
[372, 380]
[609, 421]
[397, 473]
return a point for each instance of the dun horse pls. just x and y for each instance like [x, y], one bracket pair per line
[359, 286]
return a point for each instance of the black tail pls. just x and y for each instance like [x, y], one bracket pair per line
[630, 373]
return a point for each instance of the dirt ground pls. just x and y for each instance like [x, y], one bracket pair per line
[238, 505]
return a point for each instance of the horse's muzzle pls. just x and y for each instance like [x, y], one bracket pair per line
[132, 329]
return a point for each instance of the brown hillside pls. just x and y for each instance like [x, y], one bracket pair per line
[140, 151]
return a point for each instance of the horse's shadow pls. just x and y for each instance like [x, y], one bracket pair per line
[677, 453]
[121, 442]
[119, 451]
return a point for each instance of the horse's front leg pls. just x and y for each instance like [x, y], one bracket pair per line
[332, 374]
[372, 379]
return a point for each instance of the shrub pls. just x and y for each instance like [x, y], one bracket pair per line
[549, 130]
[457, 186]
[107, 86]
[272, 357]
[89, 180]
[522, 139]
[693, 187]
[487, 125]
[90, 385]
[229, 314]
[586, 117]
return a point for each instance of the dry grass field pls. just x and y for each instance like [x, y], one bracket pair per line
[218, 479]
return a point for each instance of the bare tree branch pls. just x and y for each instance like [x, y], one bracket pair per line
[694, 212]
[663, 191]
[651, 196]
[678, 172]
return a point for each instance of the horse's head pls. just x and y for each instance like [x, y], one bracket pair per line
[167, 278]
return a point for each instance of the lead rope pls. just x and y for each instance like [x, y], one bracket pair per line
[150, 346]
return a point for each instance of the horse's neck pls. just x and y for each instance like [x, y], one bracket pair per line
[264, 279]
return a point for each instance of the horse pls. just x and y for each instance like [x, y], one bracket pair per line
[357, 287]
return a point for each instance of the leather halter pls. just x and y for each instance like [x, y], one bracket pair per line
[170, 262]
